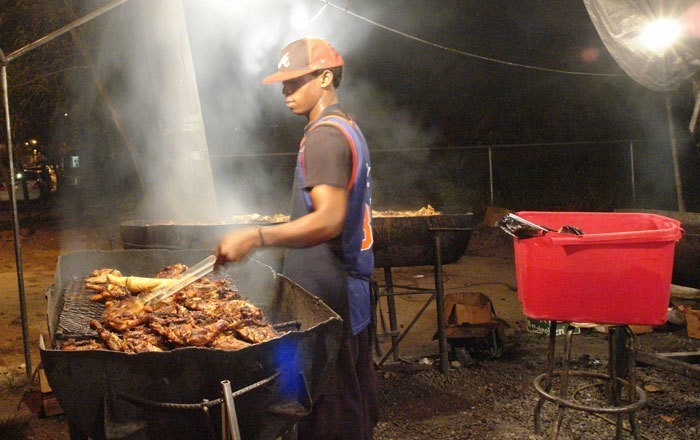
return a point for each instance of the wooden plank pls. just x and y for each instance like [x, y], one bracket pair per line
[691, 357]
[669, 364]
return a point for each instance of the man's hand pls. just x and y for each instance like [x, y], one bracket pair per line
[236, 245]
[319, 226]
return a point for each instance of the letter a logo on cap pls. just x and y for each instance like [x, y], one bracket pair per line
[284, 61]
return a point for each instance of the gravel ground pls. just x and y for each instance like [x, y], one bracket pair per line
[496, 398]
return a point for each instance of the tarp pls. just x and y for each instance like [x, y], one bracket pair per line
[621, 23]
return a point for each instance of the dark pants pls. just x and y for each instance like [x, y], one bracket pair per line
[347, 408]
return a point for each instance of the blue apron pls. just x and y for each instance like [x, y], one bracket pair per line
[338, 271]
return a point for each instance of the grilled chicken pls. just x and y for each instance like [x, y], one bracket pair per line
[142, 339]
[228, 341]
[82, 345]
[171, 271]
[111, 340]
[126, 314]
[257, 333]
[99, 276]
[207, 313]
[107, 292]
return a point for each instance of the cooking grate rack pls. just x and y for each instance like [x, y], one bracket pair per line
[77, 311]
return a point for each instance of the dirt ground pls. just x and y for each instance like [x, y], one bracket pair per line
[490, 394]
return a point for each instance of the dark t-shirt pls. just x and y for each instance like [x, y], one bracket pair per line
[327, 157]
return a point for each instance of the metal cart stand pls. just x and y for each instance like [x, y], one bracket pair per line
[621, 358]
[438, 295]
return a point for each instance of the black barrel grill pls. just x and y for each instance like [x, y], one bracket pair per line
[686, 258]
[432, 240]
[177, 394]
[398, 241]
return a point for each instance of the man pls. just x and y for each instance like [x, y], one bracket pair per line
[329, 235]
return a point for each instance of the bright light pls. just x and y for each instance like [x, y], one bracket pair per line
[659, 35]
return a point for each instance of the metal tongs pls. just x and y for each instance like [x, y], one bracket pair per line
[188, 277]
[518, 227]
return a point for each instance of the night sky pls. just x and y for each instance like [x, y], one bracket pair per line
[452, 98]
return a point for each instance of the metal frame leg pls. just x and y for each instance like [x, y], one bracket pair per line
[614, 391]
[622, 342]
[440, 306]
[391, 307]
[633, 397]
[230, 429]
[622, 345]
[550, 370]
[564, 387]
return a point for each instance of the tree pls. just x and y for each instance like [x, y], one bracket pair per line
[36, 80]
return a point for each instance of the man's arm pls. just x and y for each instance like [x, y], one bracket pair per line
[324, 223]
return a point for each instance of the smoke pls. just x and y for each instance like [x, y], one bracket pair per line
[248, 136]
[236, 44]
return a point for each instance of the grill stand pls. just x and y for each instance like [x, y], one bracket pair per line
[229, 420]
[438, 295]
[636, 397]
[291, 409]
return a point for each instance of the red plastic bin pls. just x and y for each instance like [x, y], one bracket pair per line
[618, 272]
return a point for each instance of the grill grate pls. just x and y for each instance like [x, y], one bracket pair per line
[78, 310]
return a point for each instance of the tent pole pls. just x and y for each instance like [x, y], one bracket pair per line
[674, 153]
[15, 227]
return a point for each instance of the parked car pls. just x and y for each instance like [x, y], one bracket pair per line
[48, 176]
[38, 187]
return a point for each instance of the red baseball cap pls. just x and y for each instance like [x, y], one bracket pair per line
[304, 56]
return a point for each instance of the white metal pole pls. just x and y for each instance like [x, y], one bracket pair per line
[632, 177]
[15, 227]
[674, 153]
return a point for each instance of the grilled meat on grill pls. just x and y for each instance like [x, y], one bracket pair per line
[131, 341]
[142, 339]
[240, 310]
[227, 340]
[125, 314]
[257, 333]
[111, 340]
[184, 327]
[107, 292]
[207, 313]
[99, 276]
[82, 345]
[205, 290]
[171, 271]
[424, 211]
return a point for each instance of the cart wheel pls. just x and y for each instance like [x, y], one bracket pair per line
[75, 432]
